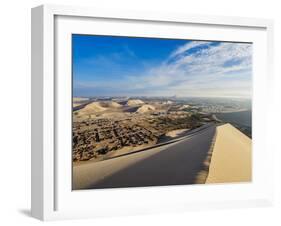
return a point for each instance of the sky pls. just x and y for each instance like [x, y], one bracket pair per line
[128, 66]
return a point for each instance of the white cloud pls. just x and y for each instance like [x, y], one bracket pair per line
[188, 46]
[213, 66]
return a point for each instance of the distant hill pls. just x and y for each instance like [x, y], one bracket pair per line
[145, 108]
[92, 108]
[79, 99]
[134, 102]
[110, 104]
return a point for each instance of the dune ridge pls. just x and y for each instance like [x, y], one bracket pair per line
[110, 104]
[134, 102]
[145, 108]
[232, 156]
[92, 108]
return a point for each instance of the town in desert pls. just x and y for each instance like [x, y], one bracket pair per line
[124, 132]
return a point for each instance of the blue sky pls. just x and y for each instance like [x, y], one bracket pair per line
[123, 66]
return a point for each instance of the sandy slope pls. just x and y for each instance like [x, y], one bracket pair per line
[92, 108]
[134, 102]
[145, 108]
[110, 104]
[175, 163]
[232, 156]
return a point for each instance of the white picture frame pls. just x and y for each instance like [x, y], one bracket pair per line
[52, 197]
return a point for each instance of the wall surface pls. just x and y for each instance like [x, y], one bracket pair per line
[15, 111]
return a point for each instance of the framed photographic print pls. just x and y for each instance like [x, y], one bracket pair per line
[139, 112]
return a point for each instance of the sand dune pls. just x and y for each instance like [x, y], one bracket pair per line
[134, 102]
[171, 164]
[92, 108]
[232, 156]
[110, 104]
[145, 108]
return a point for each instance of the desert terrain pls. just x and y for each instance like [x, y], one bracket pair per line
[101, 127]
[115, 139]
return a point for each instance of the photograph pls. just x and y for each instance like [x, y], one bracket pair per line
[150, 111]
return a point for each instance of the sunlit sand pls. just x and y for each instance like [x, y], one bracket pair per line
[232, 156]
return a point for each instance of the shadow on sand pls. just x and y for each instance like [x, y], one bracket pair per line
[177, 165]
